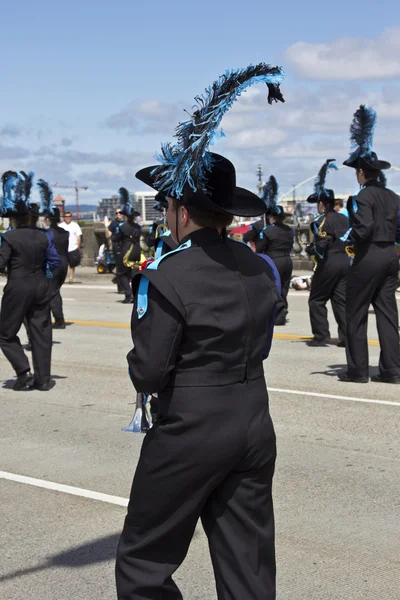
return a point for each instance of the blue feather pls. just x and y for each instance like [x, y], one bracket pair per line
[362, 132]
[188, 161]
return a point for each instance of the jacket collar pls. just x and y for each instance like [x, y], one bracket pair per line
[201, 237]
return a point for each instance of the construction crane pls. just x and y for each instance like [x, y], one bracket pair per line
[75, 187]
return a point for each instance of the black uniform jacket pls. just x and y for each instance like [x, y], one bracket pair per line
[373, 215]
[126, 234]
[60, 239]
[277, 240]
[328, 229]
[256, 235]
[204, 324]
[27, 251]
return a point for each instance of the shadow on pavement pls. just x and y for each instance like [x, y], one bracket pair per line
[101, 550]
[335, 370]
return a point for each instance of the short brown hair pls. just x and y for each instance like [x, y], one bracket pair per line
[206, 218]
[369, 173]
[68, 213]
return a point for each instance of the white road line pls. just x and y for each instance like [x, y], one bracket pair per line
[65, 489]
[333, 396]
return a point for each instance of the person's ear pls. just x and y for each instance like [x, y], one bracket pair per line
[184, 215]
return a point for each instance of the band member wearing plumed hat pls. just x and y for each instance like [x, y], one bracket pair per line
[127, 236]
[277, 242]
[332, 263]
[373, 275]
[60, 238]
[24, 254]
[200, 334]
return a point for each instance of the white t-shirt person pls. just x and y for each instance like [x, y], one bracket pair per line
[74, 233]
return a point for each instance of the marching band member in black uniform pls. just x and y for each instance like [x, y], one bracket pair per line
[277, 243]
[60, 239]
[200, 334]
[256, 234]
[128, 236]
[330, 277]
[373, 274]
[25, 253]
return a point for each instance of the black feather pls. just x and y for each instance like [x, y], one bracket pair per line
[269, 195]
[319, 184]
[362, 132]
[46, 197]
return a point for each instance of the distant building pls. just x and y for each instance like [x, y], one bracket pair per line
[59, 202]
[107, 206]
[144, 205]
[142, 201]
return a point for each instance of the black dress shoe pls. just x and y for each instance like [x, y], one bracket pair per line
[43, 386]
[59, 324]
[128, 300]
[23, 381]
[317, 343]
[352, 379]
[341, 344]
[380, 379]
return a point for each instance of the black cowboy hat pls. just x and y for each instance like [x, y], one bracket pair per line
[223, 195]
[328, 196]
[160, 202]
[278, 211]
[370, 162]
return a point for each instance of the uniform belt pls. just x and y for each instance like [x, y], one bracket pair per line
[277, 254]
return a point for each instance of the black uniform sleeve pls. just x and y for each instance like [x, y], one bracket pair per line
[5, 254]
[253, 233]
[156, 338]
[362, 219]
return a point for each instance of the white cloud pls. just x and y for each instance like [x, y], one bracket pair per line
[256, 138]
[348, 59]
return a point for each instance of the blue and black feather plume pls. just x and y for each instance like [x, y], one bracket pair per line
[269, 195]
[362, 132]
[24, 186]
[9, 181]
[125, 201]
[319, 184]
[46, 197]
[188, 161]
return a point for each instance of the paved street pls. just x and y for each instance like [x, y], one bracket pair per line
[337, 485]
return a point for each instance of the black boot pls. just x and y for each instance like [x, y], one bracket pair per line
[24, 380]
[43, 386]
[128, 300]
[59, 324]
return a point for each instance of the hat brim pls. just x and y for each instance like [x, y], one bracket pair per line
[243, 204]
[379, 165]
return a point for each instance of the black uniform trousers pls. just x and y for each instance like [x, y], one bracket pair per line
[329, 283]
[125, 280]
[27, 298]
[187, 470]
[373, 280]
[284, 265]
[55, 284]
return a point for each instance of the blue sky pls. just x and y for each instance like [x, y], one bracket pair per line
[90, 89]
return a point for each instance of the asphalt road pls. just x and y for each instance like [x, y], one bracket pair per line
[337, 485]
